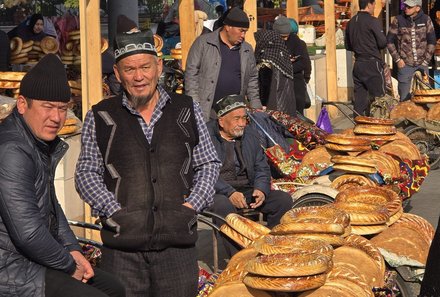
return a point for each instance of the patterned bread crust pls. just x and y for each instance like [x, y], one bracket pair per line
[371, 120]
[235, 236]
[327, 213]
[245, 226]
[364, 213]
[346, 139]
[285, 284]
[355, 179]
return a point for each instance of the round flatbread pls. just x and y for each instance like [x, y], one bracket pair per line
[49, 45]
[16, 45]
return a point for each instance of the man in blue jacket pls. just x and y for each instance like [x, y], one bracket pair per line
[39, 254]
[244, 180]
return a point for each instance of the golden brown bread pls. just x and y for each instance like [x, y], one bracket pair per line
[246, 227]
[364, 213]
[12, 76]
[326, 213]
[49, 45]
[355, 168]
[408, 110]
[368, 229]
[434, 113]
[310, 226]
[282, 244]
[429, 92]
[374, 129]
[285, 284]
[387, 166]
[350, 160]
[419, 224]
[425, 99]
[237, 289]
[158, 42]
[241, 240]
[351, 180]
[373, 121]
[288, 265]
[16, 45]
[318, 155]
[235, 271]
[345, 139]
[402, 149]
[9, 84]
[347, 148]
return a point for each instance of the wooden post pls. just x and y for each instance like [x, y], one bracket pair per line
[355, 7]
[250, 7]
[91, 68]
[187, 27]
[330, 50]
[378, 8]
[292, 9]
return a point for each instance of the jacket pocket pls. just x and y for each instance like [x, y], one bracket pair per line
[133, 231]
[180, 227]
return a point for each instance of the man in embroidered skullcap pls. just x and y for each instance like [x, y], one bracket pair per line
[147, 167]
[244, 180]
[221, 63]
[40, 254]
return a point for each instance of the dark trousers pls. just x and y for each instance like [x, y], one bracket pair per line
[369, 81]
[170, 272]
[103, 284]
[431, 284]
[274, 207]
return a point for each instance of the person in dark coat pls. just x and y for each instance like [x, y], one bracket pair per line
[147, 166]
[39, 254]
[430, 284]
[365, 37]
[244, 180]
[5, 51]
[299, 56]
[34, 30]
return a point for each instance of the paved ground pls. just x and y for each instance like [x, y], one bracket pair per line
[425, 203]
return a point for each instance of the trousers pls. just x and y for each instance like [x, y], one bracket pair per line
[103, 284]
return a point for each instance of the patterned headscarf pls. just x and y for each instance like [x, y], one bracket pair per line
[270, 48]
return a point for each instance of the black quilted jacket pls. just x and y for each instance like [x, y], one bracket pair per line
[34, 232]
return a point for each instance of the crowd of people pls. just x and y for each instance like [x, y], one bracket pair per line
[151, 160]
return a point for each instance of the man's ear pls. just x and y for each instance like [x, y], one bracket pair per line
[22, 104]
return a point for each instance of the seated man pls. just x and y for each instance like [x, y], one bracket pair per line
[39, 254]
[244, 180]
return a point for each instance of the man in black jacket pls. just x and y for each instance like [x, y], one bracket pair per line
[244, 180]
[365, 37]
[39, 254]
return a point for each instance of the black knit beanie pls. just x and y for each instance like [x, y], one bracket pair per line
[46, 81]
[237, 18]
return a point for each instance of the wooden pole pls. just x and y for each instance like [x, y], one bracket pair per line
[91, 68]
[378, 8]
[187, 27]
[250, 7]
[292, 9]
[330, 50]
[355, 7]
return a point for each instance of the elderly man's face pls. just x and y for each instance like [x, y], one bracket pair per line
[44, 118]
[233, 123]
[235, 35]
[139, 75]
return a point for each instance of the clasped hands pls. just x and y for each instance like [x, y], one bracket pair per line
[239, 200]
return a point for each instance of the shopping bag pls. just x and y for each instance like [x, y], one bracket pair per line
[323, 121]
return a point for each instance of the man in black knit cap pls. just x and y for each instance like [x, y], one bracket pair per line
[221, 63]
[39, 254]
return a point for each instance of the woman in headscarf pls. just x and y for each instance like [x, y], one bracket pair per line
[275, 72]
[34, 30]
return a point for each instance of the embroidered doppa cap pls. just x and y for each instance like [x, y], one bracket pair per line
[237, 18]
[134, 42]
[46, 81]
[228, 104]
[412, 3]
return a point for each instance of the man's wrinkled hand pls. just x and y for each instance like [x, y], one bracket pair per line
[111, 225]
[259, 198]
[238, 200]
[84, 270]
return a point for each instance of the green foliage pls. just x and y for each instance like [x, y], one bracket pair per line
[71, 3]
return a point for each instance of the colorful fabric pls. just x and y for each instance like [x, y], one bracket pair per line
[414, 173]
[306, 133]
[206, 282]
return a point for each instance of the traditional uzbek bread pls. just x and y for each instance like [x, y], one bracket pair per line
[387, 166]
[350, 160]
[318, 155]
[285, 284]
[434, 113]
[235, 270]
[12, 76]
[355, 168]
[282, 244]
[402, 149]
[310, 226]
[373, 121]
[426, 99]
[347, 148]
[374, 129]
[326, 213]
[419, 224]
[288, 265]
[246, 227]
[364, 213]
[408, 110]
[237, 289]
[348, 180]
[241, 240]
[429, 92]
[346, 140]
[16, 45]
